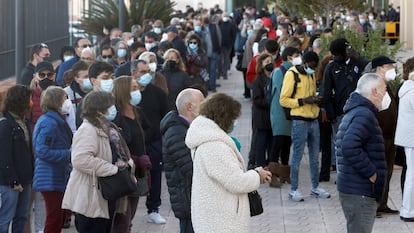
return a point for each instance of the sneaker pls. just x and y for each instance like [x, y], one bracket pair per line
[295, 195]
[320, 192]
[156, 218]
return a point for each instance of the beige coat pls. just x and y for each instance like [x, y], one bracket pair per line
[91, 158]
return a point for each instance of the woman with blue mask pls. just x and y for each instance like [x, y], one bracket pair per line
[121, 51]
[98, 150]
[129, 119]
[156, 77]
[197, 62]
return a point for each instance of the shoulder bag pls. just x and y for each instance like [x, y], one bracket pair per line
[118, 185]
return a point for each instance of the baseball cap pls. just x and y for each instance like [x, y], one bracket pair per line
[381, 60]
[171, 28]
[44, 65]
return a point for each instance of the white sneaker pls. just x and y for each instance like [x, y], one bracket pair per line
[320, 192]
[156, 218]
[295, 195]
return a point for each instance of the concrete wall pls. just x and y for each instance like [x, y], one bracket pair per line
[406, 27]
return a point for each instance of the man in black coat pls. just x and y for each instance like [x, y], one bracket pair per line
[178, 164]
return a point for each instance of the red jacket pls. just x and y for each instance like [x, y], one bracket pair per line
[251, 70]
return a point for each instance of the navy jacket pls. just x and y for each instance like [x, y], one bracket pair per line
[360, 150]
[178, 164]
[52, 140]
[16, 158]
[67, 65]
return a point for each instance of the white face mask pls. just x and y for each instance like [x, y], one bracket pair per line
[153, 66]
[297, 61]
[386, 101]
[279, 32]
[66, 107]
[371, 17]
[390, 75]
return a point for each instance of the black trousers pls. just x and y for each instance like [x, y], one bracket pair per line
[95, 225]
[326, 149]
[281, 149]
[154, 150]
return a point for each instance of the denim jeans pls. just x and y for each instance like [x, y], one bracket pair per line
[359, 212]
[212, 71]
[263, 146]
[305, 132]
[14, 206]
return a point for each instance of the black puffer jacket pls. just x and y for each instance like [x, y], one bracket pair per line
[178, 164]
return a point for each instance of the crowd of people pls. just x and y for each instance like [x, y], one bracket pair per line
[146, 100]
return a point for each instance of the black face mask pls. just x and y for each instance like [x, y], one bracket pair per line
[171, 65]
[45, 83]
[269, 67]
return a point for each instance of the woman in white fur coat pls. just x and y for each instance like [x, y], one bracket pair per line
[219, 202]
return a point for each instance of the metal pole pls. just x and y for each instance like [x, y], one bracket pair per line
[121, 17]
[20, 40]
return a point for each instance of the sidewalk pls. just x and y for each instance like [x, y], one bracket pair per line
[280, 214]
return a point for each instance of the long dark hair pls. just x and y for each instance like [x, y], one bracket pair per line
[17, 100]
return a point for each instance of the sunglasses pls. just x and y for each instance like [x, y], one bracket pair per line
[86, 46]
[47, 75]
[106, 56]
[193, 42]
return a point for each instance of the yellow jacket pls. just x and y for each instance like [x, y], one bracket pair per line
[306, 87]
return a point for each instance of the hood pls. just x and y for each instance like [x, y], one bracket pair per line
[356, 100]
[406, 88]
[170, 119]
[203, 130]
[267, 23]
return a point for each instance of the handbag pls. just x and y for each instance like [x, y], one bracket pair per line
[118, 185]
[255, 201]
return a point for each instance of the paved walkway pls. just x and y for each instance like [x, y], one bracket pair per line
[280, 214]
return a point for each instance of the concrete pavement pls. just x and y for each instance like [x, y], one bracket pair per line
[280, 214]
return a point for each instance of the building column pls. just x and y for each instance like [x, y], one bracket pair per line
[406, 27]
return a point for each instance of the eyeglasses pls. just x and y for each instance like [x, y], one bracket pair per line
[193, 42]
[106, 56]
[47, 75]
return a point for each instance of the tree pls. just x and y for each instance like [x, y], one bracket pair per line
[106, 12]
[310, 8]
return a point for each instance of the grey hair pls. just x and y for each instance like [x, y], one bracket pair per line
[317, 43]
[185, 96]
[52, 99]
[367, 83]
[134, 65]
[146, 56]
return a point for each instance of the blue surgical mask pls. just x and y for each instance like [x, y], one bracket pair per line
[235, 122]
[249, 32]
[121, 52]
[145, 79]
[65, 58]
[86, 84]
[193, 46]
[157, 30]
[197, 28]
[309, 28]
[110, 116]
[136, 97]
[309, 71]
[106, 85]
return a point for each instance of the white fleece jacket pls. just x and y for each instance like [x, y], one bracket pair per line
[219, 202]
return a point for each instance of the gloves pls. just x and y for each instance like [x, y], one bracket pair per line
[310, 100]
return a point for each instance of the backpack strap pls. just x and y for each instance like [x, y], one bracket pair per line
[295, 85]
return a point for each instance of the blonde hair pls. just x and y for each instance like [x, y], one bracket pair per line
[52, 99]
[180, 60]
[146, 56]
